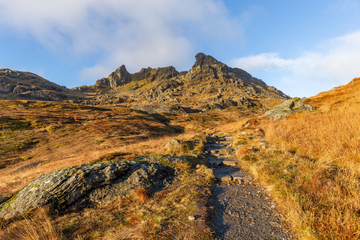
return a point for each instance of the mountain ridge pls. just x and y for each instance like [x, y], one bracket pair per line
[208, 85]
[25, 85]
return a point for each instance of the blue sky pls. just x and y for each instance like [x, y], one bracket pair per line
[300, 47]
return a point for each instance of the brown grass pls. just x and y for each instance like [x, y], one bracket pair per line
[64, 135]
[75, 136]
[34, 228]
[320, 196]
[142, 194]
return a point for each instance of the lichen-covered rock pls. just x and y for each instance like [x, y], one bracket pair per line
[287, 107]
[161, 159]
[173, 143]
[63, 187]
[152, 177]
[87, 185]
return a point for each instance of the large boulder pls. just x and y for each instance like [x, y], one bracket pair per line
[287, 107]
[88, 185]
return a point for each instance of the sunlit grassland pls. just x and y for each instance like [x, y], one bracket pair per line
[314, 173]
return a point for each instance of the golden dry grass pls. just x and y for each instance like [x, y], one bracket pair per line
[141, 194]
[97, 134]
[33, 228]
[320, 195]
[64, 135]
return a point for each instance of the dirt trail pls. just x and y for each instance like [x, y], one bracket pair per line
[242, 209]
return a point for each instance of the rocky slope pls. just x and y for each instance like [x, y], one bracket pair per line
[26, 85]
[208, 85]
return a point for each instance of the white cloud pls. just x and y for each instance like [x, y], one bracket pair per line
[137, 33]
[334, 63]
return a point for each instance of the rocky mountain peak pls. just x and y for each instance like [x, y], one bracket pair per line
[202, 59]
[119, 77]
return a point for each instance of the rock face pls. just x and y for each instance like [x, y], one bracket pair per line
[121, 76]
[213, 81]
[209, 85]
[88, 185]
[287, 107]
[155, 74]
[117, 78]
[17, 84]
[82, 88]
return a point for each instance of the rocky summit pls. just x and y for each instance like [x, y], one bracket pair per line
[208, 85]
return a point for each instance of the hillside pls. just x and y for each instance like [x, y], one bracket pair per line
[25, 85]
[180, 155]
[310, 163]
[38, 138]
[208, 85]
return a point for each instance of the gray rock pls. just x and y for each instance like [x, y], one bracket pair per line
[160, 159]
[87, 185]
[287, 107]
[82, 88]
[117, 78]
[173, 143]
[153, 177]
[224, 178]
[120, 77]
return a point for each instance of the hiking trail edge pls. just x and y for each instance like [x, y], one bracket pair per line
[241, 208]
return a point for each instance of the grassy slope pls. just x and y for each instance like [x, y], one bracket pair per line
[320, 192]
[63, 135]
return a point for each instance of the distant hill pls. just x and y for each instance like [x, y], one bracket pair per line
[26, 85]
[208, 85]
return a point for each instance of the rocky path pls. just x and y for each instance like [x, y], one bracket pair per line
[242, 209]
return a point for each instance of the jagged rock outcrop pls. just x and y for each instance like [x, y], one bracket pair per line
[17, 84]
[207, 60]
[287, 107]
[208, 85]
[156, 74]
[90, 184]
[117, 78]
[121, 76]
